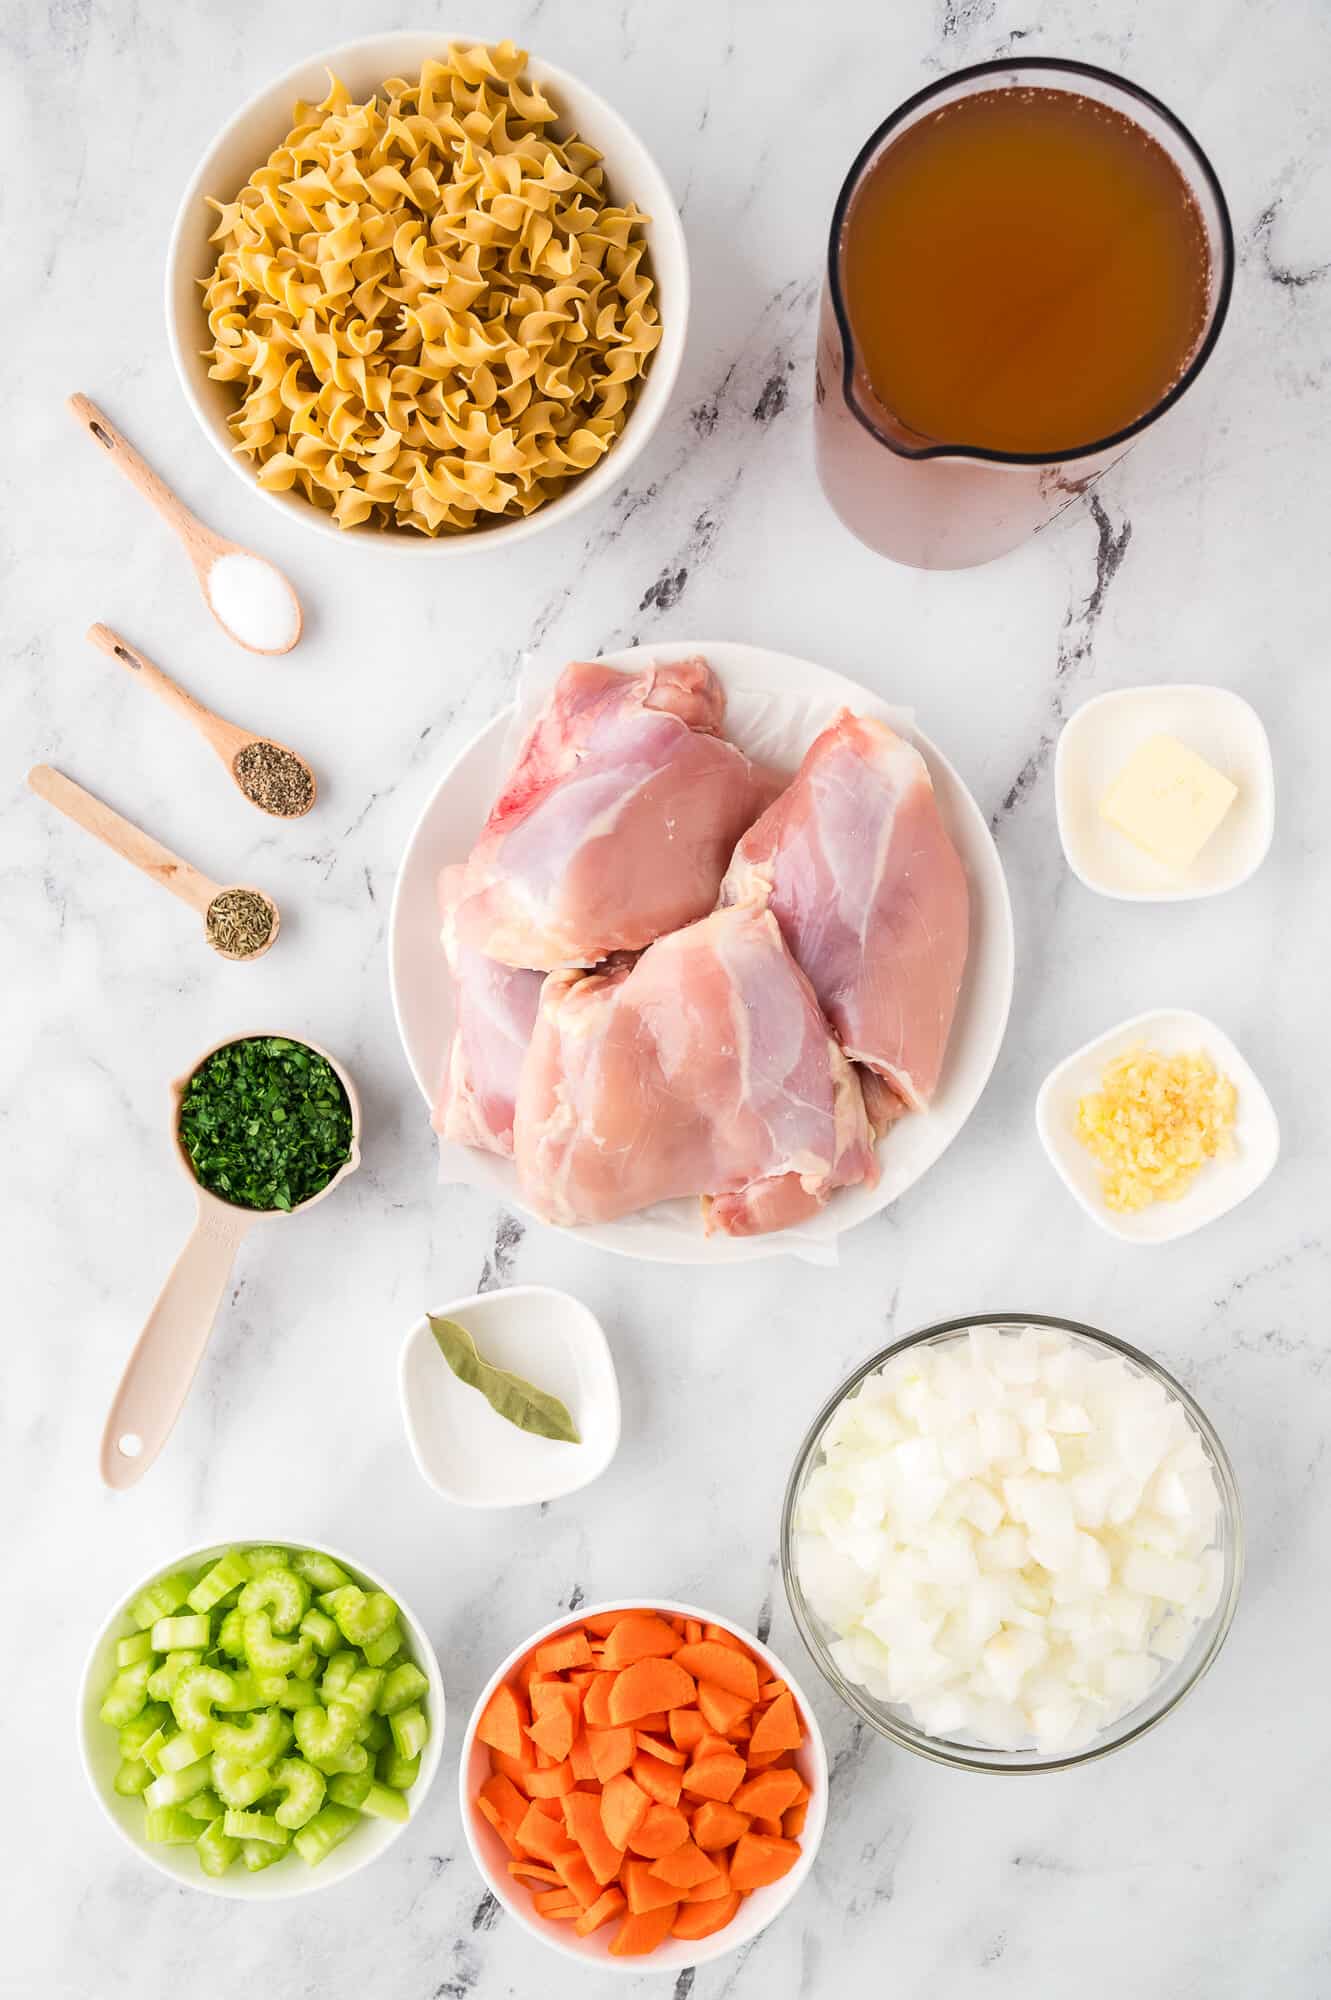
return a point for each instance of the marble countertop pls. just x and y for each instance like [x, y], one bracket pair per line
[1191, 1864]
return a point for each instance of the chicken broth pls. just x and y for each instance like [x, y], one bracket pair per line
[1025, 270]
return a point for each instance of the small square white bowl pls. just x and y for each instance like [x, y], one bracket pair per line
[478, 1459]
[1219, 1186]
[1097, 742]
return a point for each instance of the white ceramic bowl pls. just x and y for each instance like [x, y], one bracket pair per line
[1097, 742]
[758, 1909]
[290, 1876]
[672, 1232]
[478, 1459]
[1219, 1185]
[262, 123]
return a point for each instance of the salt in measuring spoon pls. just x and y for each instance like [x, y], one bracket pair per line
[166, 1356]
[247, 595]
[190, 884]
[226, 738]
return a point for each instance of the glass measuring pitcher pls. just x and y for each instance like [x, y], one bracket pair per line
[948, 503]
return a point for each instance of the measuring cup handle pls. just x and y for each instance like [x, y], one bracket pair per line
[167, 1353]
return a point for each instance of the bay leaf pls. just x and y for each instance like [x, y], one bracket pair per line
[518, 1402]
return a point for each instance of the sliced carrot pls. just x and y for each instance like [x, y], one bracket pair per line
[720, 1709]
[770, 1827]
[554, 1729]
[568, 1649]
[602, 1623]
[761, 1858]
[607, 1905]
[542, 1837]
[580, 1758]
[716, 1777]
[596, 1702]
[641, 1932]
[643, 1889]
[655, 1724]
[792, 1822]
[707, 1891]
[686, 1726]
[684, 1867]
[771, 1689]
[768, 1795]
[501, 1827]
[556, 1903]
[535, 1871]
[504, 1721]
[716, 1825]
[692, 1631]
[582, 1817]
[623, 1809]
[700, 1920]
[504, 1795]
[515, 1768]
[719, 1636]
[661, 1782]
[722, 1666]
[664, 1828]
[709, 1744]
[649, 1685]
[551, 1784]
[778, 1727]
[639, 1635]
[575, 1872]
[553, 1808]
[611, 1751]
[655, 1746]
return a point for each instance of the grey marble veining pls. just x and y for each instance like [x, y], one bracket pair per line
[1191, 1865]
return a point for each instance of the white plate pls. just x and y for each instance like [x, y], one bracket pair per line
[760, 1908]
[1219, 1186]
[1097, 742]
[422, 992]
[477, 1458]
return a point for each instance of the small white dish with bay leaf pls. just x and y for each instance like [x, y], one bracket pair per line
[556, 1349]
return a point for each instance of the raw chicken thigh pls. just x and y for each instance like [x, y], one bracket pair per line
[871, 897]
[616, 822]
[701, 1067]
[496, 1012]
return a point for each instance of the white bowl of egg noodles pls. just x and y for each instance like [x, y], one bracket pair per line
[469, 411]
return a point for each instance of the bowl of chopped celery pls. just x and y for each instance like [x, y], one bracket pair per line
[261, 1719]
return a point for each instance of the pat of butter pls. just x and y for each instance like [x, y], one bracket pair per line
[1168, 801]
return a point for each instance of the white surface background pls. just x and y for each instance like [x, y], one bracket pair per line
[1194, 1863]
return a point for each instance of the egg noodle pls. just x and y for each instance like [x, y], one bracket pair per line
[433, 313]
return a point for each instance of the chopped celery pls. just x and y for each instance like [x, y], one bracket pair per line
[240, 1785]
[127, 1694]
[226, 1575]
[181, 1750]
[257, 1854]
[267, 1654]
[380, 1651]
[175, 1635]
[216, 1849]
[145, 1724]
[382, 1802]
[361, 1616]
[205, 1806]
[403, 1686]
[249, 1690]
[362, 1691]
[281, 1593]
[320, 1572]
[319, 1629]
[399, 1772]
[337, 1673]
[261, 1559]
[230, 1634]
[299, 1694]
[354, 1758]
[133, 1778]
[163, 1683]
[255, 1826]
[348, 1788]
[174, 1787]
[197, 1693]
[322, 1732]
[156, 1743]
[328, 1827]
[264, 1735]
[302, 1789]
[160, 1599]
[410, 1731]
[137, 1647]
[374, 1732]
[170, 1826]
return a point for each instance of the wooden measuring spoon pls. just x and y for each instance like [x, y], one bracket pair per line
[226, 738]
[167, 1353]
[204, 549]
[156, 861]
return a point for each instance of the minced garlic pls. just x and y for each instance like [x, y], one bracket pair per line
[1153, 1122]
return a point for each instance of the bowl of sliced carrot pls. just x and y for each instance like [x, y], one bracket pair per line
[643, 1782]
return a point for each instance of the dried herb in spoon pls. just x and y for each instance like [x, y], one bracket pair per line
[238, 922]
[266, 1123]
[508, 1395]
[274, 779]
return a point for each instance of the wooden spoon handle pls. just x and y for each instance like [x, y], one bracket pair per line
[122, 837]
[225, 735]
[167, 1353]
[201, 542]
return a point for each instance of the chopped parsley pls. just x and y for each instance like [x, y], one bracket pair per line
[266, 1123]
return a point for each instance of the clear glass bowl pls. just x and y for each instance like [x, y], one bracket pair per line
[891, 1720]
